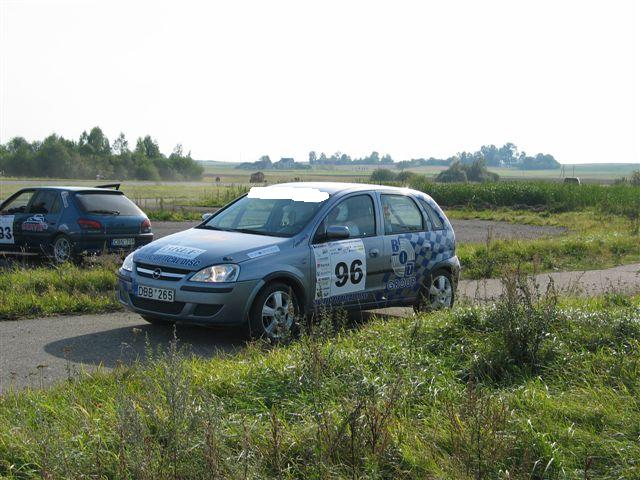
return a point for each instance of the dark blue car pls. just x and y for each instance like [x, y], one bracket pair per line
[65, 223]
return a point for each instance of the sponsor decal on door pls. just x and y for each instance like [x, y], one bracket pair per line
[341, 268]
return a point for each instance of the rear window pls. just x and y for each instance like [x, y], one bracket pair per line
[107, 204]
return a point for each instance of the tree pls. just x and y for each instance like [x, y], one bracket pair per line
[98, 141]
[121, 144]
[148, 147]
[313, 158]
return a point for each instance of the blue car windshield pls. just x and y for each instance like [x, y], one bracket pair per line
[264, 216]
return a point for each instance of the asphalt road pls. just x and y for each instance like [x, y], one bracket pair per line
[43, 351]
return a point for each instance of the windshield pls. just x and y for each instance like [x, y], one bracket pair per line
[264, 216]
[107, 204]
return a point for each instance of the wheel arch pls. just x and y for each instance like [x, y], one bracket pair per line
[287, 278]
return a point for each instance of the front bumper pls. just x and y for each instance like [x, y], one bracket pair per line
[194, 303]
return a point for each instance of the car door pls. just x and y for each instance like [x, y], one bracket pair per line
[12, 213]
[349, 271]
[41, 223]
[406, 247]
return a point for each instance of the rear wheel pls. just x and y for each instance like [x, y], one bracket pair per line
[62, 249]
[274, 312]
[437, 292]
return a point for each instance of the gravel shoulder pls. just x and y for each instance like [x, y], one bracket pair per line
[467, 231]
[43, 351]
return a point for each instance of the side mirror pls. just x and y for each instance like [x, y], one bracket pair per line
[337, 232]
[206, 216]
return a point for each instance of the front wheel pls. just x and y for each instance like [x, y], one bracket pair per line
[437, 292]
[274, 312]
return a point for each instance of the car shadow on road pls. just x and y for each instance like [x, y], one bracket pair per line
[128, 344]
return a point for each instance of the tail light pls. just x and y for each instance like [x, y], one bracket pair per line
[89, 225]
[145, 226]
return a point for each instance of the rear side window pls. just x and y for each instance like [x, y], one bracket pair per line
[45, 202]
[401, 214]
[107, 204]
[436, 221]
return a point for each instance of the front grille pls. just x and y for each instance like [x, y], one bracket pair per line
[204, 310]
[164, 269]
[167, 273]
[171, 308]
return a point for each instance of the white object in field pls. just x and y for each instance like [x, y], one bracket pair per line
[302, 194]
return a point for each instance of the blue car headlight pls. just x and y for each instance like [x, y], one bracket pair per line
[217, 273]
[127, 265]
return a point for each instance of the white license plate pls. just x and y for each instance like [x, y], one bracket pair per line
[155, 293]
[123, 242]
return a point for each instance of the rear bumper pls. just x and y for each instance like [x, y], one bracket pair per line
[91, 244]
[194, 303]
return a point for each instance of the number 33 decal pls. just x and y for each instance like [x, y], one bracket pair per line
[344, 273]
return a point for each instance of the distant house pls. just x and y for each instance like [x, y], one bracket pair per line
[285, 163]
[571, 181]
[257, 177]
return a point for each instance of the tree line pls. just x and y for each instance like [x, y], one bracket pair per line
[506, 156]
[94, 156]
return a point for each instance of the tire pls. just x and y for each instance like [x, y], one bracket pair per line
[437, 293]
[273, 313]
[62, 249]
[156, 320]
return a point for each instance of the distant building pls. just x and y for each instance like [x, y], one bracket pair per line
[285, 163]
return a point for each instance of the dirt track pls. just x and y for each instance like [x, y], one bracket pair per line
[43, 351]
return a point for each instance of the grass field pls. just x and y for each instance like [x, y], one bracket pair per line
[533, 387]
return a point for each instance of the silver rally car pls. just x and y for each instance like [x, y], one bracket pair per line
[287, 250]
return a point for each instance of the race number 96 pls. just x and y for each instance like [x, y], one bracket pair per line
[346, 273]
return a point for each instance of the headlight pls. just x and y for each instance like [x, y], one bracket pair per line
[127, 265]
[217, 273]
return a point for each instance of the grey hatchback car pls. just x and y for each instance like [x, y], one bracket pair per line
[287, 250]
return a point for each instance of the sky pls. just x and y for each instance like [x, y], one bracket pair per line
[235, 80]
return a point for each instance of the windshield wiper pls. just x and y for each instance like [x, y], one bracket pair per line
[257, 232]
[104, 212]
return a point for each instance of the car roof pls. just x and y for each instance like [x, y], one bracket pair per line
[336, 187]
[71, 189]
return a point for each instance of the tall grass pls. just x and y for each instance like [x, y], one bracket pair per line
[618, 199]
[480, 392]
[28, 291]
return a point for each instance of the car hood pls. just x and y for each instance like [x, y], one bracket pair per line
[197, 248]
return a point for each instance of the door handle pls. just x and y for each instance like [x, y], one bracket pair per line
[374, 252]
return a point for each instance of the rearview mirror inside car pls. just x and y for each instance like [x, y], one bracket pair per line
[206, 216]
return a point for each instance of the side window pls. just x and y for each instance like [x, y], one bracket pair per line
[43, 202]
[18, 204]
[436, 221]
[356, 213]
[401, 215]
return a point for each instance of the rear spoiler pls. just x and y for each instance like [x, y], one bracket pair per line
[115, 186]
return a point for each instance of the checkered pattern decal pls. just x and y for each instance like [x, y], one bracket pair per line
[430, 249]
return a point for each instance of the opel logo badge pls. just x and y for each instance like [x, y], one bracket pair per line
[157, 273]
